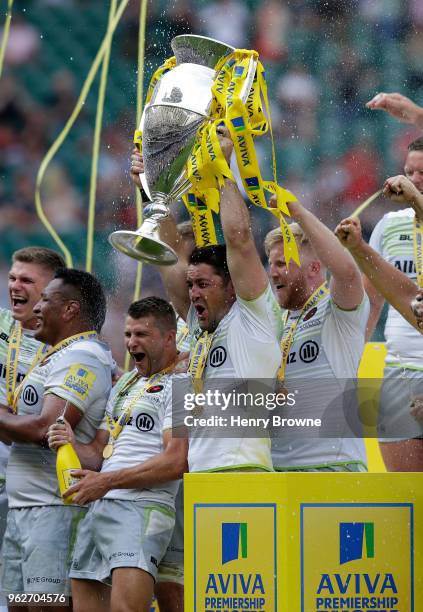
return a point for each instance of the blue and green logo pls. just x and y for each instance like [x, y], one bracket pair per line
[234, 542]
[252, 183]
[356, 541]
[238, 123]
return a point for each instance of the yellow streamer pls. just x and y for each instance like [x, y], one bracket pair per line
[366, 203]
[5, 34]
[96, 142]
[65, 131]
[140, 93]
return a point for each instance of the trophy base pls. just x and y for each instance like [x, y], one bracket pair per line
[143, 248]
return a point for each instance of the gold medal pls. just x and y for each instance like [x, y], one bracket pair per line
[108, 451]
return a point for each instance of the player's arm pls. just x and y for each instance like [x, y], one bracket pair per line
[174, 277]
[346, 286]
[376, 304]
[90, 455]
[247, 272]
[167, 465]
[34, 428]
[401, 190]
[392, 284]
[399, 106]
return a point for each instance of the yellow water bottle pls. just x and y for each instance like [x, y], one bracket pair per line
[66, 461]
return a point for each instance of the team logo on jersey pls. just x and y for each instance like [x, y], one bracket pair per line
[30, 395]
[144, 422]
[79, 380]
[217, 356]
[309, 351]
[310, 314]
[154, 389]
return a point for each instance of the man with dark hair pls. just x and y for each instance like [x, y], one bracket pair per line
[89, 293]
[32, 268]
[225, 297]
[72, 378]
[126, 532]
[398, 238]
[163, 312]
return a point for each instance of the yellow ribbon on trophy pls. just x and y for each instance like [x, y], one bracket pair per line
[207, 168]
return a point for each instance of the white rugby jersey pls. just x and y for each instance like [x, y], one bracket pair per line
[327, 347]
[245, 346]
[80, 373]
[28, 350]
[392, 238]
[142, 437]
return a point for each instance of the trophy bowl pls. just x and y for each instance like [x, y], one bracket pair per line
[178, 108]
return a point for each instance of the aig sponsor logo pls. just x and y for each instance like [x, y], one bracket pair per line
[217, 356]
[30, 395]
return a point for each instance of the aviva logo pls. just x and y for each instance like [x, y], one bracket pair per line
[234, 541]
[352, 539]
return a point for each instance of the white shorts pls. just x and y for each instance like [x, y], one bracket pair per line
[37, 549]
[120, 533]
[171, 568]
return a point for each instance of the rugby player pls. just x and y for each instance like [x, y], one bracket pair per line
[169, 585]
[127, 531]
[395, 286]
[225, 297]
[73, 378]
[322, 341]
[32, 268]
[398, 238]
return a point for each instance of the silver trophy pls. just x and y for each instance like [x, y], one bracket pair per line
[179, 107]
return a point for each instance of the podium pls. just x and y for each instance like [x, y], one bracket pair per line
[303, 542]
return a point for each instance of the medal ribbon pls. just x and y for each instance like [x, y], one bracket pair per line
[115, 427]
[418, 250]
[199, 359]
[288, 339]
[43, 357]
[182, 334]
[13, 360]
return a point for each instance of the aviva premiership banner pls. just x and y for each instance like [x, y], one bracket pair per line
[304, 542]
[357, 557]
[230, 570]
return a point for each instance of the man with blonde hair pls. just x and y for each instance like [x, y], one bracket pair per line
[323, 340]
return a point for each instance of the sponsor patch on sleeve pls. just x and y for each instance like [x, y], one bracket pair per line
[79, 380]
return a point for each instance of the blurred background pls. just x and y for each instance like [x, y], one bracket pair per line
[324, 60]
